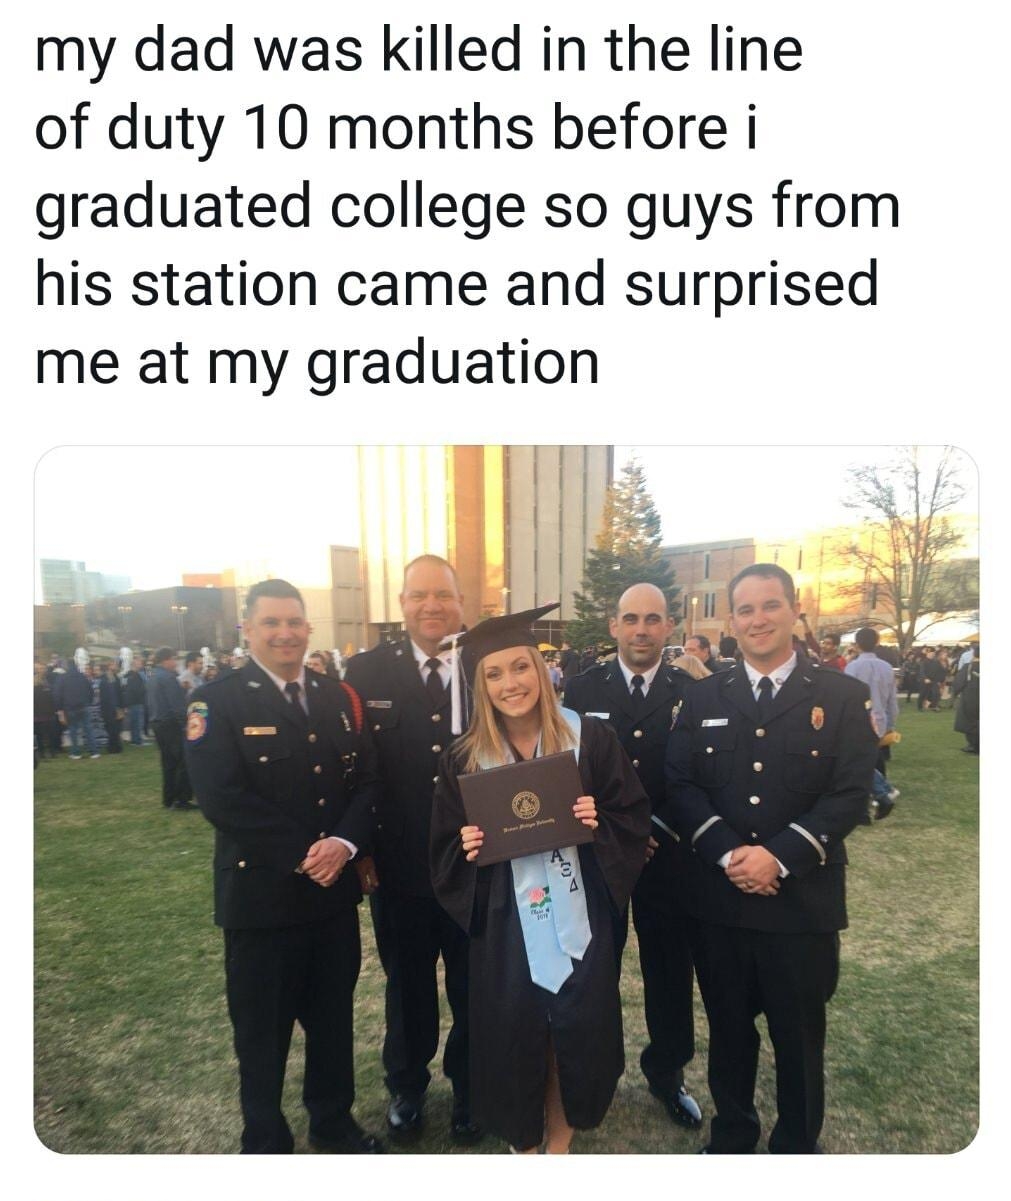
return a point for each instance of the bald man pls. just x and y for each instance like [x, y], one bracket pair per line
[639, 696]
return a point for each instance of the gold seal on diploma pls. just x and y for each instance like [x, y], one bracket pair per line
[526, 805]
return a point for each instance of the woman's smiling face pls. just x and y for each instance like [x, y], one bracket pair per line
[511, 680]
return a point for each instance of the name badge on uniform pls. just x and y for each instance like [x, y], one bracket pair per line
[715, 721]
[259, 729]
[378, 704]
[605, 716]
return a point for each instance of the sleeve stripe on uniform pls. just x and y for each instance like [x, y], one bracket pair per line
[663, 826]
[704, 827]
[811, 839]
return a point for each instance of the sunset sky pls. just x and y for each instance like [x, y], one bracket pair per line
[153, 513]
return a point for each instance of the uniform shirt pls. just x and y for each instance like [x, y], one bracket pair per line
[778, 677]
[647, 676]
[880, 679]
[282, 685]
[445, 660]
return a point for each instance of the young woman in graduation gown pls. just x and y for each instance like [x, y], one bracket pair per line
[545, 1057]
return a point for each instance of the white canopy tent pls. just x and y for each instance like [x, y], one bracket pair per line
[935, 629]
[947, 629]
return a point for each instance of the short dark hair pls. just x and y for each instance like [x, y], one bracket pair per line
[163, 653]
[702, 640]
[275, 589]
[833, 638]
[765, 571]
[728, 646]
[192, 657]
[434, 561]
[866, 638]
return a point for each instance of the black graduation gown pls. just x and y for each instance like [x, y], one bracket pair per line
[511, 1018]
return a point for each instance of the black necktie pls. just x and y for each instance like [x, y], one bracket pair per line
[638, 696]
[764, 699]
[293, 689]
[434, 682]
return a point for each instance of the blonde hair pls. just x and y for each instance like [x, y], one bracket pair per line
[691, 666]
[485, 740]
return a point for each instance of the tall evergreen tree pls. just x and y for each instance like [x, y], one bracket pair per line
[627, 552]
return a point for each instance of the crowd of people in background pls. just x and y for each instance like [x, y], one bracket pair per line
[102, 706]
[85, 712]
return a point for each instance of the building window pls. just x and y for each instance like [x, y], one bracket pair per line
[709, 604]
[705, 566]
[775, 555]
[800, 557]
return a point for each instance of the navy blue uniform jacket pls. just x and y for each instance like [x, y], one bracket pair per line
[796, 786]
[271, 789]
[410, 733]
[602, 692]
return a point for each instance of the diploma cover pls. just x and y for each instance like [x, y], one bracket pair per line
[523, 808]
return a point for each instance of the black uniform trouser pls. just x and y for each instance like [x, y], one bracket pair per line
[790, 978]
[273, 979]
[665, 959]
[175, 783]
[411, 934]
[112, 731]
[49, 737]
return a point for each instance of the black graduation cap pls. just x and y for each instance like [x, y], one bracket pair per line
[496, 634]
[493, 634]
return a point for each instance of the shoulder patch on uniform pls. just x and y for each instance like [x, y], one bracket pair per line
[196, 721]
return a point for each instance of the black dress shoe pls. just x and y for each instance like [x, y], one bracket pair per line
[708, 1150]
[462, 1130]
[404, 1117]
[681, 1106]
[352, 1141]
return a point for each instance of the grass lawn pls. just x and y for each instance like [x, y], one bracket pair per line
[133, 1044]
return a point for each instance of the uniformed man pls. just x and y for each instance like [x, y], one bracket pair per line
[405, 688]
[768, 770]
[288, 781]
[640, 696]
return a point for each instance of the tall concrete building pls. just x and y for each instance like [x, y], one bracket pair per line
[517, 522]
[60, 581]
[68, 582]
